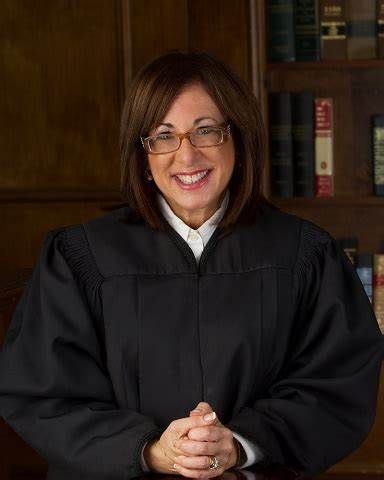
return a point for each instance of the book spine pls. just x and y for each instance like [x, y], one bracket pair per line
[281, 144]
[324, 147]
[364, 269]
[378, 289]
[333, 30]
[380, 28]
[303, 144]
[361, 27]
[281, 31]
[378, 154]
[307, 40]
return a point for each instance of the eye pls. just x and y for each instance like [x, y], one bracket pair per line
[205, 130]
[164, 136]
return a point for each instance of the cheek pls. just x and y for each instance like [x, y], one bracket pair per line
[228, 161]
[157, 166]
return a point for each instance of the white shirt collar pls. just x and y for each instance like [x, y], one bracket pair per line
[205, 230]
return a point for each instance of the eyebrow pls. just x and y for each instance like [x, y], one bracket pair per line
[198, 120]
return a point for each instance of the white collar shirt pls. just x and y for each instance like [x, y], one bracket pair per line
[196, 239]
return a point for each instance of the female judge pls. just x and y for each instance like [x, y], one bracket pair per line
[197, 297]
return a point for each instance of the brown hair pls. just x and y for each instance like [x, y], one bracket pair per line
[150, 96]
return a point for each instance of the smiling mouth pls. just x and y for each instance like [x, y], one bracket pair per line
[191, 179]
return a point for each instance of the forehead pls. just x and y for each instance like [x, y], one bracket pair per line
[193, 101]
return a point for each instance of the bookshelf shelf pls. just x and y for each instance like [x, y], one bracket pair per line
[327, 65]
[356, 89]
[320, 202]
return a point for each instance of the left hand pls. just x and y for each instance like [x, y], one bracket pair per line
[201, 444]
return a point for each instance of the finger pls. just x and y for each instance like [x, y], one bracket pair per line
[194, 448]
[203, 407]
[201, 474]
[210, 433]
[181, 426]
[195, 412]
[200, 462]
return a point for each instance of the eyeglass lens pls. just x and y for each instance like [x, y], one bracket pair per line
[207, 137]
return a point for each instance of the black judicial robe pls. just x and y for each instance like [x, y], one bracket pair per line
[119, 332]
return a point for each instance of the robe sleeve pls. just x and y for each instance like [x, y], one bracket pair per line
[321, 404]
[55, 391]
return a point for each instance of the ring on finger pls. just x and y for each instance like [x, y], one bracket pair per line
[214, 463]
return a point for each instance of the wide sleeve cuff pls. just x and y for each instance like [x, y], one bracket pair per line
[253, 452]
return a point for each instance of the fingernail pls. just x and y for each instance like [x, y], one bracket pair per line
[209, 416]
[175, 466]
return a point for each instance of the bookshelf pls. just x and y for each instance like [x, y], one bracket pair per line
[357, 90]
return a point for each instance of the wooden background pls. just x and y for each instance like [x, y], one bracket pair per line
[64, 68]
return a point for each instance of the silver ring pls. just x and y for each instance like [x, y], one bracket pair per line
[214, 463]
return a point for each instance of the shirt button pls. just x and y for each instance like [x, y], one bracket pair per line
[193, 236]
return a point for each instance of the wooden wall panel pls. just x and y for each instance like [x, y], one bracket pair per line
[156, 27]
[59, 107]
[222, 29]
[24, 225]
[64, 66]
[180, 24]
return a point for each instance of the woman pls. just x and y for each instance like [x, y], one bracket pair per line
[197, 298]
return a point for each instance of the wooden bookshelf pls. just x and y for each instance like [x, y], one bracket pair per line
[328, 65]
[357, 90]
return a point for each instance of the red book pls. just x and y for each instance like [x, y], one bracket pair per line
[333, 29]
[324, 147]
[378, 289]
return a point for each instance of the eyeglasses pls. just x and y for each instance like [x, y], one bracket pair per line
[202, 137]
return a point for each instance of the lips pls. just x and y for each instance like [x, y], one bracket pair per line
[189, 179]
[193, 180]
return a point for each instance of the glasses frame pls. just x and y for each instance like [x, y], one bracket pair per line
[225, 133]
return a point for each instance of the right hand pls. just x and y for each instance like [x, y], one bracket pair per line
[159, 454]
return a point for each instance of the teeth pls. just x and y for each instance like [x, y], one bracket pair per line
[189, 179]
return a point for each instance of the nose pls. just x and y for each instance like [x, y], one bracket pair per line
[187, 153]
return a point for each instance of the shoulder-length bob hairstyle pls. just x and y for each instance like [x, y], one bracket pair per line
[151, 94]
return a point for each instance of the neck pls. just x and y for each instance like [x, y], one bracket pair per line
[196, 218]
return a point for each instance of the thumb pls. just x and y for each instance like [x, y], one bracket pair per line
[201, 409]
[182, 426]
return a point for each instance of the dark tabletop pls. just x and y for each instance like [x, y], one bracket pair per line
[258, 473]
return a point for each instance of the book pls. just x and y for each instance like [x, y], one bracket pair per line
[380, 28]
[378, 289]
[333, 30]
[303, 152]
[307, 38]
[378, 154]
[361, 28]
[324, 147]
[364, 269]
[280, 121]
[281, 31]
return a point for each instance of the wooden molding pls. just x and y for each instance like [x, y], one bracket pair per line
[44, 196]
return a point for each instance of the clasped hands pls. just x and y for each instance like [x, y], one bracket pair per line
[187, 445]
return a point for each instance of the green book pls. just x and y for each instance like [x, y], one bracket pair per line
[281, 30]
[303, 144]
[307, 34]
[280, 145]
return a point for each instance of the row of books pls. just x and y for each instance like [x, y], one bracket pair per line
[370, 269]
[311, 30]
[301, 132]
